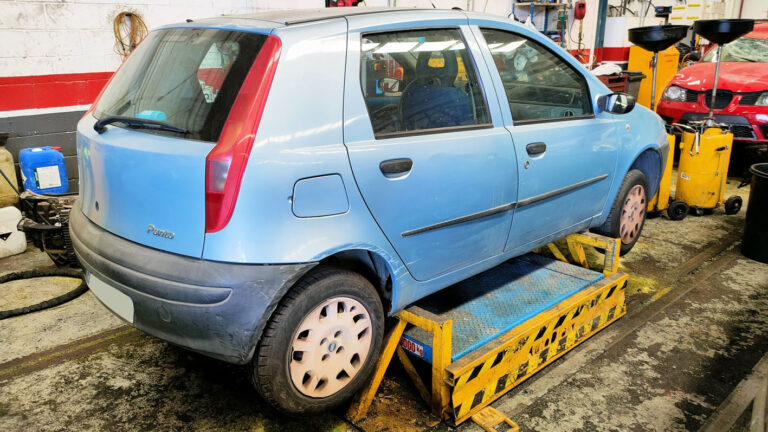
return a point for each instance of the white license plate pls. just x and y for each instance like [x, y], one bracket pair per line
[117, 302]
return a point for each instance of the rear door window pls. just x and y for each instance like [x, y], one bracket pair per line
[420, 81]
[187, 78]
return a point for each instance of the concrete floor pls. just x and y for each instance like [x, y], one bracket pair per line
[696, 326]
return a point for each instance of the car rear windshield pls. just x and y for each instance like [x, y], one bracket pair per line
[187, 78]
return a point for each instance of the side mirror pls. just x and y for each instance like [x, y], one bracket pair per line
[616, 103]
[389, 85]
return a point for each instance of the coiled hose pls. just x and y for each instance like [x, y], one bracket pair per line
[31, 274]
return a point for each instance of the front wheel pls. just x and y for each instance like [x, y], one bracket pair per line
[627, 215]
[321, 344]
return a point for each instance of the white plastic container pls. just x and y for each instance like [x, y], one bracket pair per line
[7, 194]
[12, 241]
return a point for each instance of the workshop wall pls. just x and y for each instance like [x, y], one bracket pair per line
[55, 57]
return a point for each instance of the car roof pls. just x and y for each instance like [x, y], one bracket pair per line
[298, 16]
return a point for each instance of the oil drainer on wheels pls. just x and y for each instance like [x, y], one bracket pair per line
[658, 38]
[706, 145]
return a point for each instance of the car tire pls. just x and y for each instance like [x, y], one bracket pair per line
[627, 215]
[309, 360]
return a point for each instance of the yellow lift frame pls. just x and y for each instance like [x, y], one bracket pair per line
[460, 390]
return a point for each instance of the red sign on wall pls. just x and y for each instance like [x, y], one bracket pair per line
[341, 3]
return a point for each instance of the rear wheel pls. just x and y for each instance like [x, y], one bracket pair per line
[321, 344]
[627, 215]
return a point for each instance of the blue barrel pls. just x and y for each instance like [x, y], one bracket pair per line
[43, 171]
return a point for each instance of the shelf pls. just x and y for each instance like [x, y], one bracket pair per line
[541, 4]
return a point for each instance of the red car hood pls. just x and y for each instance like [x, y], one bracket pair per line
[734, 76]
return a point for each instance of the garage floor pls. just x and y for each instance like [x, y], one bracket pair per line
[696, 326]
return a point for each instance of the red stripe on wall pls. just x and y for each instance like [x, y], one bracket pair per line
[48, 91]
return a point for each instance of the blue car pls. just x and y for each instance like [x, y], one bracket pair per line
[265, 189]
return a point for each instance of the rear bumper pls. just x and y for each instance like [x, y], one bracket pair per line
[218, 309]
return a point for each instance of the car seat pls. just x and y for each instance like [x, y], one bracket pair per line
[431, 100]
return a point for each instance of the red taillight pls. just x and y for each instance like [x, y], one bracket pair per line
[225, 164]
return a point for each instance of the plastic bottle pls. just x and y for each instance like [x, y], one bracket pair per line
[8, 195]
[43, 170]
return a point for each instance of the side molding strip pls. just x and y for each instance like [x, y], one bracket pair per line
[467, 218]
[504, 207]
[550, 194]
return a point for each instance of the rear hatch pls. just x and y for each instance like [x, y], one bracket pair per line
[142, 149]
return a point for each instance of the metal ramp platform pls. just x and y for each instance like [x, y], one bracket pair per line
[485, 335]
[492, 303]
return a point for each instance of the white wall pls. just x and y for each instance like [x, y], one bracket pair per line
[755, 9]
[55, 37]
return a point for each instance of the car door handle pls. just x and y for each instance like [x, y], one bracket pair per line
[394, 167]
[536, 148]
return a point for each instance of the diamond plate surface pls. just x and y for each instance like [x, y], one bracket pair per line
[488, 305]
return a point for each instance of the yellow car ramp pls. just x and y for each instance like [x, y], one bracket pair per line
[486, 335]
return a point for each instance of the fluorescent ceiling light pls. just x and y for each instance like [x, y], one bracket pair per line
[396, 47]
[367, 46]
[508, 47]
[435, 46]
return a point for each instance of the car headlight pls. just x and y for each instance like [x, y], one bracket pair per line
[674, 93]
[762, 100]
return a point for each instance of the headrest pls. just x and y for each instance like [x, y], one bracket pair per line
[439, 76]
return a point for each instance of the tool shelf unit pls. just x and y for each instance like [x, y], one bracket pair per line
[487, 334]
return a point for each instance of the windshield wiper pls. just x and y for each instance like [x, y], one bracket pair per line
[137, 123]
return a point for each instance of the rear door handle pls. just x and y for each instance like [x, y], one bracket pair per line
[536, 148]
[394, 167]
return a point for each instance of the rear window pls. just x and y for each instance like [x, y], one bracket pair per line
[187, 78]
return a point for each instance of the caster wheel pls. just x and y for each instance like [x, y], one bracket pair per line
[677, 210]
[697, 211]
[733, 205]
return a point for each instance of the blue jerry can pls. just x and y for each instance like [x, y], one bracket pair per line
[43, 171]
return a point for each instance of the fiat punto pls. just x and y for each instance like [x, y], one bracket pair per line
[266, 189]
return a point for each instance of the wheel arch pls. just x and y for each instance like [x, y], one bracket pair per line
[372, 266]
[649, 163]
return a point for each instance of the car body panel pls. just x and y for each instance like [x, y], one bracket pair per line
[578, 150]
[455, 174]
[128, 188]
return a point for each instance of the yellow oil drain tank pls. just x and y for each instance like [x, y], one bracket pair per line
[660, 201]
[703, 167]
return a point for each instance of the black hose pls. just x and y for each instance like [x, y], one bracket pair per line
[30, 274]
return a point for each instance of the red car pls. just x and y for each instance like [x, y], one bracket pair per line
[742, 88]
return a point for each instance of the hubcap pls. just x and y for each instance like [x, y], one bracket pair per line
[330, 347]
[632, 214]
